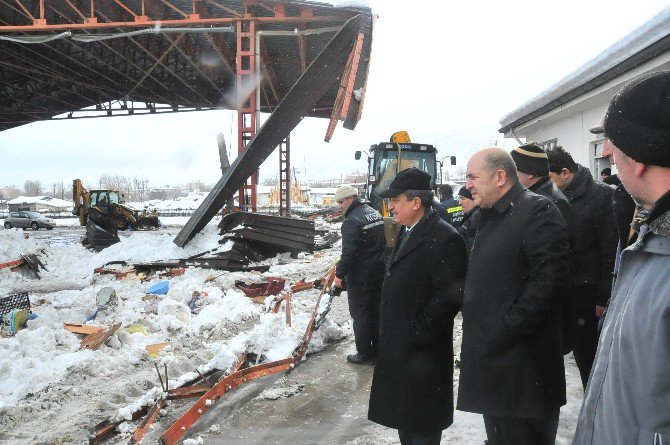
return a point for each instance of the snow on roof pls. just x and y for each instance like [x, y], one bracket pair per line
[594, 73]
[44, 200]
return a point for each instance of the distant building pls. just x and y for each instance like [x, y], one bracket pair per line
[322, 196]
[564, 113]
[165, 193]
[7, 193]
[39, 204]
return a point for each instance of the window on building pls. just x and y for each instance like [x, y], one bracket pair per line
[551, 143]
[598, 161]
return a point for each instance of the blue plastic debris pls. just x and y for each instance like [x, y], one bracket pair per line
[160, 288]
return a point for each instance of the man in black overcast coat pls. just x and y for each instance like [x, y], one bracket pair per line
[512, 354]
[593, 254]
[412, 387]
[532, 164]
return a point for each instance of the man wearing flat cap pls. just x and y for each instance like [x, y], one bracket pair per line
[412, 387]
[627, 400]
[361, 267]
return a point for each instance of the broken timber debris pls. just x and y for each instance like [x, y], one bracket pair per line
[94, 335]
[255, 237]
[31, 261]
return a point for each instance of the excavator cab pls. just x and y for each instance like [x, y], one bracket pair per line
[385, 161]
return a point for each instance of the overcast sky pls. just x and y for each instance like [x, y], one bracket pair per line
[444, 71]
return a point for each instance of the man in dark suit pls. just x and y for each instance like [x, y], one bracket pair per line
[512, 354]
[412, 387]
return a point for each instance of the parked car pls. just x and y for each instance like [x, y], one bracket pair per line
[33, 220]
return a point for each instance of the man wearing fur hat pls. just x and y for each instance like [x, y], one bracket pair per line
[361, 267]
[627, 400]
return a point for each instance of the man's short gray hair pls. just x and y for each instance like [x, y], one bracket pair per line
[426, 196]
[500, 160]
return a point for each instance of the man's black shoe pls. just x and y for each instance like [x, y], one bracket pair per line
[359, 359]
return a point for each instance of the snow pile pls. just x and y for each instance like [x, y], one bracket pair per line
[207, 322]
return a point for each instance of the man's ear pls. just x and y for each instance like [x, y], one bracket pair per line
[639, 169]
[416, 203]
[565, 172]
[501, 178]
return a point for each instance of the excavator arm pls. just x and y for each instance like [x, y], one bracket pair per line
[82, 200]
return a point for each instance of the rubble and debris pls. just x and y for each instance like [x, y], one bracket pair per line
[94, 335]
[14, 312]
[156, 348]
[30, 261]
[196, 302]
[259, 291]
[179, 428]
[215, 384]
[104, 298]
[160, 288]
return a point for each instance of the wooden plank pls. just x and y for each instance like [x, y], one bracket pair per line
[154, 349]
[93, 341]
[83, 328]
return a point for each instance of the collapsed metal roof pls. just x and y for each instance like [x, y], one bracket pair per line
[643, 44]
[151, 56]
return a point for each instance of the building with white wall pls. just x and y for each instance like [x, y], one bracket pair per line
[564, 113]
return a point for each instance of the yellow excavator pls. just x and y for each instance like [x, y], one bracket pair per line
[385, 161]
[106, 209]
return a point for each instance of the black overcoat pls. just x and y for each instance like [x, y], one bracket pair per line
[412, 387]
[511, 355]
[595, 249]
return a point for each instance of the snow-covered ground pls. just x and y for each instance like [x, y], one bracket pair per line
[52, 392]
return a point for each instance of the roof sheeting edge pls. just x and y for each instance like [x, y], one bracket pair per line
[598, 71]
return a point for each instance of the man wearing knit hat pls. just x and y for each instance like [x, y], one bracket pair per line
[627, 400]
[593, 252]
[532, 163]
[361, 267]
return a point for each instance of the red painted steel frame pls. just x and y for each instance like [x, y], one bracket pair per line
[235, 379]
[246, 100]
[143, 19]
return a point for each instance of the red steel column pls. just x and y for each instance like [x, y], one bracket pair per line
[246, 97]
